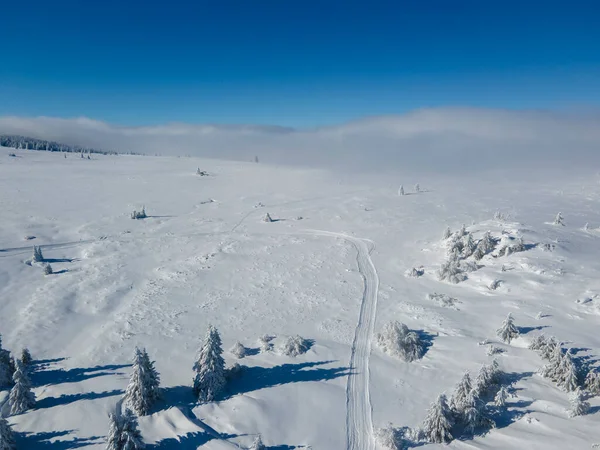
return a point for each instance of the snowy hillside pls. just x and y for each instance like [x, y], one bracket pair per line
[334, 266]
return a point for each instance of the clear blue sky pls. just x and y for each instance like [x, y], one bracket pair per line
[288, 62]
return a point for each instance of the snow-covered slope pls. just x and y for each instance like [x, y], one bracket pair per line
[331, 268]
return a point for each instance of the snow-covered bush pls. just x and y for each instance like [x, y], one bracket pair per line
[579, 407]
[495, 285]
[139, 214]
[469, 246]
[238, 350]
[443, 300]
[294, 346]
[265, 344]
[417, 188]
[123, 432]
[234, 372]
[209, 380]
[415, 272]
[559, 220]
[486, 245]
[390, 438]
[438, 424]
[592, 382]
[7, 437]
[488, 379]
[143, 388]
[509, 245]
[508, 331]
[397, 340]
[450, 271]
[257, 444]
[538, 342]
[561, 369]
[501, 397]
[20, 398]
[493, 350]
[468, 266]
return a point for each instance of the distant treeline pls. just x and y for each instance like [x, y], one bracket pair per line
[28, 143]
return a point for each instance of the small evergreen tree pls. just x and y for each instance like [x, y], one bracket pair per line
[417, 188]
[476, 417]
[501, 397]
[397, 340]
[401, 190]
[592, 382]
[559, 220]
[267, 218]
[37, 254]
[20, 398]
[488, 379]
[438, 424]
[579, 407]
[257, 444]
[538, 342]
[548, 348]
[447, 233]
[451, 271]
[567, 373]
[142, 390]
[48, 269]
[485, 246]
[294, 346]
[210, 368]
[461, 398]
[469, 246]
[7, 438]
[6, 367]
[238, 350]
[123, 432]
[26, 358]
[508, 331]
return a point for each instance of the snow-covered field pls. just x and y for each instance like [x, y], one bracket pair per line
[331, 268]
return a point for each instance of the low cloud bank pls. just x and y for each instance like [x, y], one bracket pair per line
[435, 139]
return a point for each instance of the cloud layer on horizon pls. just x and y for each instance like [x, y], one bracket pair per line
[438, 139]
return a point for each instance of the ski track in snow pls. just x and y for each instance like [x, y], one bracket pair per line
[359, 423]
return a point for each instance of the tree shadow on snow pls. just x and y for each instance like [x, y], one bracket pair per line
[190, 441]
[513, 377]
[58, 260]
[65, 399]
[58, 376]
[594, 410]
[426, 338]
[525, 330]
[42, 441]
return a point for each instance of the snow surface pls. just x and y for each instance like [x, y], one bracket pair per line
[204, 256]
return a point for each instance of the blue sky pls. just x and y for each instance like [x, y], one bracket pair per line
[294, 63]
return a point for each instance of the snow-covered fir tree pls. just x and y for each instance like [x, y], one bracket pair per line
[7, 438]
[461, 398]
[538, 342]
[294, 346]
[488, 379]
[401, 190]
[143, 388]
[592, 382]
[209, 380]
[579, 406]
[438, 424]
[20, 398]
[485, 246]
[501, 397]
[37, 254]
[26, 357]
[447, 233]
[547, 350]
[417, 188]
[469, 246]
[567, 373]
[508, 331]
[559, 220]
[450, 271]
[123, 432]
[552, 369]
[6, 367]
[475, 416]
[257, 444]
[48, 269]
[397, 340]
[238, 350]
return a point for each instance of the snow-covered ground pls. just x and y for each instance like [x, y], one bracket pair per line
[331, 268]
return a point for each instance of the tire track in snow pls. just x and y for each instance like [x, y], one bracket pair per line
[359, 423]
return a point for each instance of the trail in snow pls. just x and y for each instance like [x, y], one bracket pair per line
[359, 423]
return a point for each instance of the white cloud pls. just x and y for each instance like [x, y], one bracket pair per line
[438, 139]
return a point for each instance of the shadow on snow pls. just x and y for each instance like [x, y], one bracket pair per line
[65, 399]
[45, 441]
[42, 377]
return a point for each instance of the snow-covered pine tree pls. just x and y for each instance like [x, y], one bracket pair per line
[469, 246]
[6, 367]
[475, 416]
[209, 380]
[26, 357]
[461, 398]
[417, 188]
[488, 379]
[48, 269]
[142, 390]
[438, 424]
[294, 346]
[123, 432]
[451, 272]
[153, 376]
[37, 254]
[7, 438]
[559, 220]
[401, 190]
[579, 407]
[567, 375]
[547, 350]
[447, 233]
[538, 342]
[501, 397]
[238, 350]
[508, 331]
[592, 382]
[397, 340]
[485, 246]
[257, 444]
[20, 398]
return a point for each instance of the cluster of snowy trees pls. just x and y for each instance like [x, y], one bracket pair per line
[460, 246]
[397, 340]
[417, 189]
[139, 214]
[291, 346]
[38, 257]
[28, 143]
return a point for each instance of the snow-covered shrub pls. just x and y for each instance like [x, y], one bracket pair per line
[592, 382]
[123, 432]
[390, 438]
[443, 300]
[508, 331]
[561, 369]
[294, 346]
[397, 340]
[37, 254]
[538, 342]
[143, 388]
[257, 444]
[495, 285]
[265, 344]
[579, 407]
[447, 233]
[48, 269]
[438, 424]
[450, 271]
[401, 190]
[139, 214]
[493, 350]
[20, 398]
[238, 350]
[455, 246]
[509, 245]
[7, 437]
[548, 247]
[501, 397]
[559, 220]
[209, 380]
[202, 173]
[415, 272]
[547, 349]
